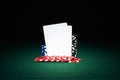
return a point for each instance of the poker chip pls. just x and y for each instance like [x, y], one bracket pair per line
[46, 60]
[74, 45]
[77, 61]
[52, 60]
[69, 59]
[36, 59]
[62, 59]
[57, 60]
[41, 60]
[73, 61]
[44, 51]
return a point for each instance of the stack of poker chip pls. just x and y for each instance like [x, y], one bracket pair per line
[44, 50]
[74, 45]
[69, 59]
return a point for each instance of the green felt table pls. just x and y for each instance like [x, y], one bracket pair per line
[99, 62]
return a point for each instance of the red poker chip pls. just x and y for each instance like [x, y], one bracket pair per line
[53, 58]
[50, 59]
[47, 57]
[64, 59]
[70, 59]
[75, 60]
[41, 60]
[46, 60]
[57, 58]
[78, 59]
[36, 59]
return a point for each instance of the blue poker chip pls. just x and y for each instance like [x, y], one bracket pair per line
[44, 51]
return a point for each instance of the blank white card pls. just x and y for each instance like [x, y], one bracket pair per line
[58, 39]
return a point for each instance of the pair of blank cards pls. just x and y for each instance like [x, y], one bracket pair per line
[58, 39]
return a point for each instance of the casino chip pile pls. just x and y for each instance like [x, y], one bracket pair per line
[69, 59]
[44, 51]
[74, 45]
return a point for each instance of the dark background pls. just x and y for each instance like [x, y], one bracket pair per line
[89, 20]
[92, 21]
